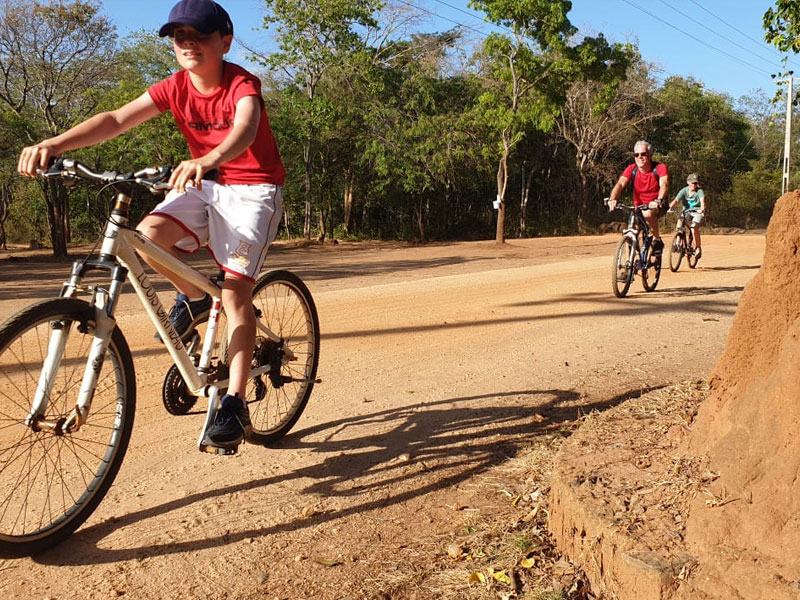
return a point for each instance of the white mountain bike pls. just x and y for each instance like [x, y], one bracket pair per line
[67, 381]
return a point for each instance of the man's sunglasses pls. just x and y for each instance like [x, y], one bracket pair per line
[639, 154]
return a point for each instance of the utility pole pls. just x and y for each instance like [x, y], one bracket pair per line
[787, 143]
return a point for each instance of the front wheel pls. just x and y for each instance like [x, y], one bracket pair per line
[51, 482]
[676, 252]
[622, 269]
[277, 398]
[691, 257]
[652, 269]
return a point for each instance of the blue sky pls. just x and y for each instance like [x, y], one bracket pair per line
[718, 42]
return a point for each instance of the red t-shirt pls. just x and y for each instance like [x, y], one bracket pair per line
[206, 120]
[645, 185]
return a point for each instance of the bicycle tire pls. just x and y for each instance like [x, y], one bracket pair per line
[52, 483]
[676, 252]
[651, 274]
[283, 302]
[622, 269]
[691, 258]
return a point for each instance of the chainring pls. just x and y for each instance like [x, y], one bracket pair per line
[176, 398]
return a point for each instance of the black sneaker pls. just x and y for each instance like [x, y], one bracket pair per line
[232, 424]
[698, 253]
[658, 247]
[185, 315]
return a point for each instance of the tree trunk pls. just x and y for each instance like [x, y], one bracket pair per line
[323, 232]
[56, 199]
[308, 169]
[6, 196]
[420, 215]
[582, 194]
[502, 180]
[525, 194]
[348, 201]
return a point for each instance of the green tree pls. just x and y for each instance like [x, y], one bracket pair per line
[601, 136]
[701, 132]
[782, 25]
[417, 137]
[142, 60]
[530, 72]
[313, 37]
[55, 59]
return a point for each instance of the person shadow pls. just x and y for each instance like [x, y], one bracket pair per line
[420, 450]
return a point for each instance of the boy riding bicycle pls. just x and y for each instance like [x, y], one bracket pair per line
[693, 199]
[218, 107]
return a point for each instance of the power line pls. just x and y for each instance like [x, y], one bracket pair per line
[425, 10]
[473, 15]
[759, 43]
[739, 60]
[727, 39]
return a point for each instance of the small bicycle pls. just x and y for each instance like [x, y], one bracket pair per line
[634, 254]
[68, 385]
[683, 243]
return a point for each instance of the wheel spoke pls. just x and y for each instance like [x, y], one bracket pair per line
[52, 481]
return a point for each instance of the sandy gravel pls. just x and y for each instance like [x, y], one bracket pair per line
[443, 353]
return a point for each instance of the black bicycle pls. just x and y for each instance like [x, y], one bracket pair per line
[635, 254]
[683, 243]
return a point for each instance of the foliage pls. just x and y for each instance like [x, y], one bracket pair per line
[391, 132]
[782, 25]
[749, 201]
[699, 132]
[314, 37]
[55, 58]
[529, 73]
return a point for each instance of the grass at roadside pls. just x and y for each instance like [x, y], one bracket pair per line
[501, 550]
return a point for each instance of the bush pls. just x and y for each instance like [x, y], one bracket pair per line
[749, 201]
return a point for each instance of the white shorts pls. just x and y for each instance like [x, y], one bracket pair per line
[236, 222]
[697, 218]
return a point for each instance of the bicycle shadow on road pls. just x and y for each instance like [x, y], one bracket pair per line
[732, 268]
[448, 442]
[599, 305]
[698, 291]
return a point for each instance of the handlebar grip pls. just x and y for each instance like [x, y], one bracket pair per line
[55, 166]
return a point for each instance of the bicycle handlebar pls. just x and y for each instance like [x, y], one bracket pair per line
[640, 208]
[155, 179]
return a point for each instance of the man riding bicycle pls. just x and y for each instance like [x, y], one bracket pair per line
[694, 200]
[650, 187]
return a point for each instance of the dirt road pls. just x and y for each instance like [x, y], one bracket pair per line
[437, 362]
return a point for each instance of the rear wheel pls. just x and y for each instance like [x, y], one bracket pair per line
[676, 252]
[622, 269]
[52, 481]
[652, 269]
[277, 398]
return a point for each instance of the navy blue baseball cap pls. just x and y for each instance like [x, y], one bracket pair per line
[204, 15]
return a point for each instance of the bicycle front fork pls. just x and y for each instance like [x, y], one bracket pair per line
[60, 330]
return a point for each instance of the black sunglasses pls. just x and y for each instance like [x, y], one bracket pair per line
[638, 154]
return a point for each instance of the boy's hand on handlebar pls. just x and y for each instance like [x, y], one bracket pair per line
[611, 203]
[35, 157]
[189, 172]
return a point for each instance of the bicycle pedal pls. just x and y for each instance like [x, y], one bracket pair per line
[229, 451]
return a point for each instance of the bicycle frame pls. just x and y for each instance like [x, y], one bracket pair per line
[636, 225]
[685, 225]
[118, 254]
